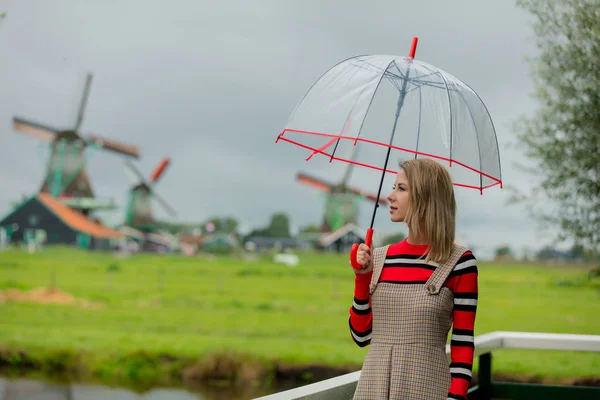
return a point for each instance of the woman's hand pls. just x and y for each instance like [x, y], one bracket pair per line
[363, 256]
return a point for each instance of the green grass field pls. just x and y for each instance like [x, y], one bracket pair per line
[189, 308]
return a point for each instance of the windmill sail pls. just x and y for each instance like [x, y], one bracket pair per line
[139, 205]
[34, 129]
[115, 146]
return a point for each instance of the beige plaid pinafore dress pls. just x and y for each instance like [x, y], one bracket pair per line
[407, 355]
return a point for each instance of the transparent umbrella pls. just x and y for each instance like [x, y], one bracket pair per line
[366, 108]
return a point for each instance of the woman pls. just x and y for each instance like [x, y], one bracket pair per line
[408, 296]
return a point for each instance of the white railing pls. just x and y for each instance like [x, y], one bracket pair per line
[343, 387]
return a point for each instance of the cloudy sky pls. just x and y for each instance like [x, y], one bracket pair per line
[211, 84]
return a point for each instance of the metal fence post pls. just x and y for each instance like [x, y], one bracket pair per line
[484, 375]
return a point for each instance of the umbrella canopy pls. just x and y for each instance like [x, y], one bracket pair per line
[369, 108]
[366, 105]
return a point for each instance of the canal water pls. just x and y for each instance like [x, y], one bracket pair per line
[31, 389]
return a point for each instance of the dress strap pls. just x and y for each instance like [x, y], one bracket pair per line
[436, 281]
[378, 260]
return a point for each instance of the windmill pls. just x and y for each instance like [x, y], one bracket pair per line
[342, 202]
[66, 175]
[138, 214]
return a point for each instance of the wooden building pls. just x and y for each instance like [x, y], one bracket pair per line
[58, 224]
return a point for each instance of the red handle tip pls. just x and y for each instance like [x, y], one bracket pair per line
[413, 48]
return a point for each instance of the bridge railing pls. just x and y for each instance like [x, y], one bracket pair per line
[343, 387]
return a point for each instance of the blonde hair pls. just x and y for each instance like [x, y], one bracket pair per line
[431, 206]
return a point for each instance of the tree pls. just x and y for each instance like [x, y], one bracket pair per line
[563, 137]
[279, 226]
[548, 253]
[504, 251]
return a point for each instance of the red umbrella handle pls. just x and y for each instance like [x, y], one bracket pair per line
[354, 251]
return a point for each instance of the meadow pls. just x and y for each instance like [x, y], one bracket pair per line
[167, 320]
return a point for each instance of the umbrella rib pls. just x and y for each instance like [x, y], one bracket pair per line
[493, 129]
[371, 101]
[480, 189]
[450, 111]
[436, 85]
[419, 84]
[355, 72]
[477, 136]
[425, 76]
[389, 73]
[344, 130]
[378, 69]
[419, 127]
[320, 149]
[430, 82]
[396, 77]
[415, 88]
[346, 127]
[413, 80]
[396, 85]
[400, 72]
[395, 82]
[361, 64]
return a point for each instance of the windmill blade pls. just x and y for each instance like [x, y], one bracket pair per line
[159, 170]
[327, 187]
[164, 203]
[346, 176]
[132, 172]
[350, 166]
[34, 129]
[370, 196]
[133, 177]
[314, 182]
[113, 145]
[86, 93]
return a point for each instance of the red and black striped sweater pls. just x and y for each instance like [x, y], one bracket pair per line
[463, 283]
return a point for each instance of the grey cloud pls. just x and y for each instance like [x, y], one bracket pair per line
[212, 84]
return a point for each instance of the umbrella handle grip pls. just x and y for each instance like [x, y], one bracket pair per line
[354, 251]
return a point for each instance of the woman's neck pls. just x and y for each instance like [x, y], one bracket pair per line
[415, 239]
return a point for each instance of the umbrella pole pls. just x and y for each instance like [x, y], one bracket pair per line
[401, 97]
[387, 157]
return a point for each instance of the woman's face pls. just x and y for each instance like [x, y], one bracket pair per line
[398, 198]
